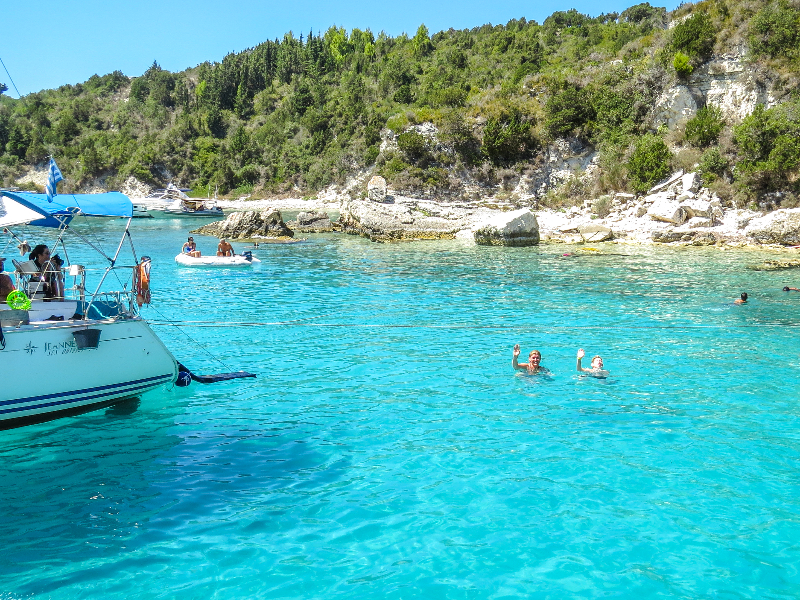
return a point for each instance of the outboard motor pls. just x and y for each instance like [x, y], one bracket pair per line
[248, 255]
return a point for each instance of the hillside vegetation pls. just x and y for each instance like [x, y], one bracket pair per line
[306, 111]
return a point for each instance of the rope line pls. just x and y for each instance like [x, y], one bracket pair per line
[233, 324]
[177, 325]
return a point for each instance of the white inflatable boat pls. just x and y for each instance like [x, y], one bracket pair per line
[239, 260]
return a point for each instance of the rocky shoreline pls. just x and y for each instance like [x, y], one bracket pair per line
[677, 211]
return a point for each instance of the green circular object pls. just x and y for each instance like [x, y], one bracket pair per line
[17, 300]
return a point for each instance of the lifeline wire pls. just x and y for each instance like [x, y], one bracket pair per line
[9, 77]
[178, 327]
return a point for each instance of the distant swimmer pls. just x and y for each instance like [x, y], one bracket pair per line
[532, 366]
[788, 289]
[742, 299]
[597, 365]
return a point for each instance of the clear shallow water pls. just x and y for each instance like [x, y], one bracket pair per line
[388, 450]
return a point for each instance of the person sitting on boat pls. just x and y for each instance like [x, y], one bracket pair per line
[224, 248]
[55, 278]
[40, 255]
[6, 284]
[190, 248]
[532, 366]
[597, 365]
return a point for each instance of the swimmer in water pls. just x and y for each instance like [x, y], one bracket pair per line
[787, 289]
[597, 365]
[742, 299]
[532, 366]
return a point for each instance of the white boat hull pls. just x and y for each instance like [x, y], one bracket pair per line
[215, 261]
[46, 375]
[193, 213]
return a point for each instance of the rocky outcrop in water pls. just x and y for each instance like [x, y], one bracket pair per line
[779, 227]
[249, 225]
[311, 222]
[516, 228]
[403, 219]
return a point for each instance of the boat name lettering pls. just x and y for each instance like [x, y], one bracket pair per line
[60, 348]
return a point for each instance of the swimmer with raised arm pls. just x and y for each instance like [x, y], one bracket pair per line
[597, 365]
[532, 367]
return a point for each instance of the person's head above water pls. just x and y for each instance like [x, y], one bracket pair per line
[535, 356]
[597, 362]
[744, 296]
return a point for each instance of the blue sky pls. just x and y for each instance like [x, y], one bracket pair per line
[46, 44]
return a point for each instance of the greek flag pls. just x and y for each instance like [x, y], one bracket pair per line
[53, 177]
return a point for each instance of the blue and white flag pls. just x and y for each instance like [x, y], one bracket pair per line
[53, 177]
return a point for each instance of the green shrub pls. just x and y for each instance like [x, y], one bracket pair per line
[414, 145]
[602, 206]
[567, 109]
[508, 140]
[775, 30]
[682, 64]
[649, 162]
[712, 165]
[695, 36]
[704, 128]
[769, 148]
[371, 154]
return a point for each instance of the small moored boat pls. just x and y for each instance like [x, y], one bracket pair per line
[239, 260]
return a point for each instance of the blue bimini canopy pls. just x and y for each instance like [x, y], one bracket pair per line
[65, 206]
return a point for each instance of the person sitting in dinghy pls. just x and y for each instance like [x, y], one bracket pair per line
[190, 248]
[224, 248]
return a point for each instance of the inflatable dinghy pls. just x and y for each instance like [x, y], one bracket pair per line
[239, 260]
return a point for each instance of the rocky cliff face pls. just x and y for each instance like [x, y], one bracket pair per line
[725, 82]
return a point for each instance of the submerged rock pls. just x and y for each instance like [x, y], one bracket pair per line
[248, 224]
[775, 265]
[516, 228]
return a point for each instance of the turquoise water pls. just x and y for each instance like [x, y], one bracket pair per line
[388, 450]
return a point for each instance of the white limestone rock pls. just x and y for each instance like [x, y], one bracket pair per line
[691, 182]
[675, 104]
[668, 211]
[376, 189]
[515, 228]
[778, 227]
[697, 208]
[663, 185]
[593, 232]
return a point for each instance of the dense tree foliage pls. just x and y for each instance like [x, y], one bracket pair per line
[300, 112]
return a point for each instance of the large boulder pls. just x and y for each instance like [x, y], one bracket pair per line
[591, 232]
[779, 227]
[405, 219]
[516, 228]
[668, 211]
[249, 225]
[311, 222]
[376, 189]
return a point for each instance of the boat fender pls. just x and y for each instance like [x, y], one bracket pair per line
[141, 281]
[184, 376]
[17, 300]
